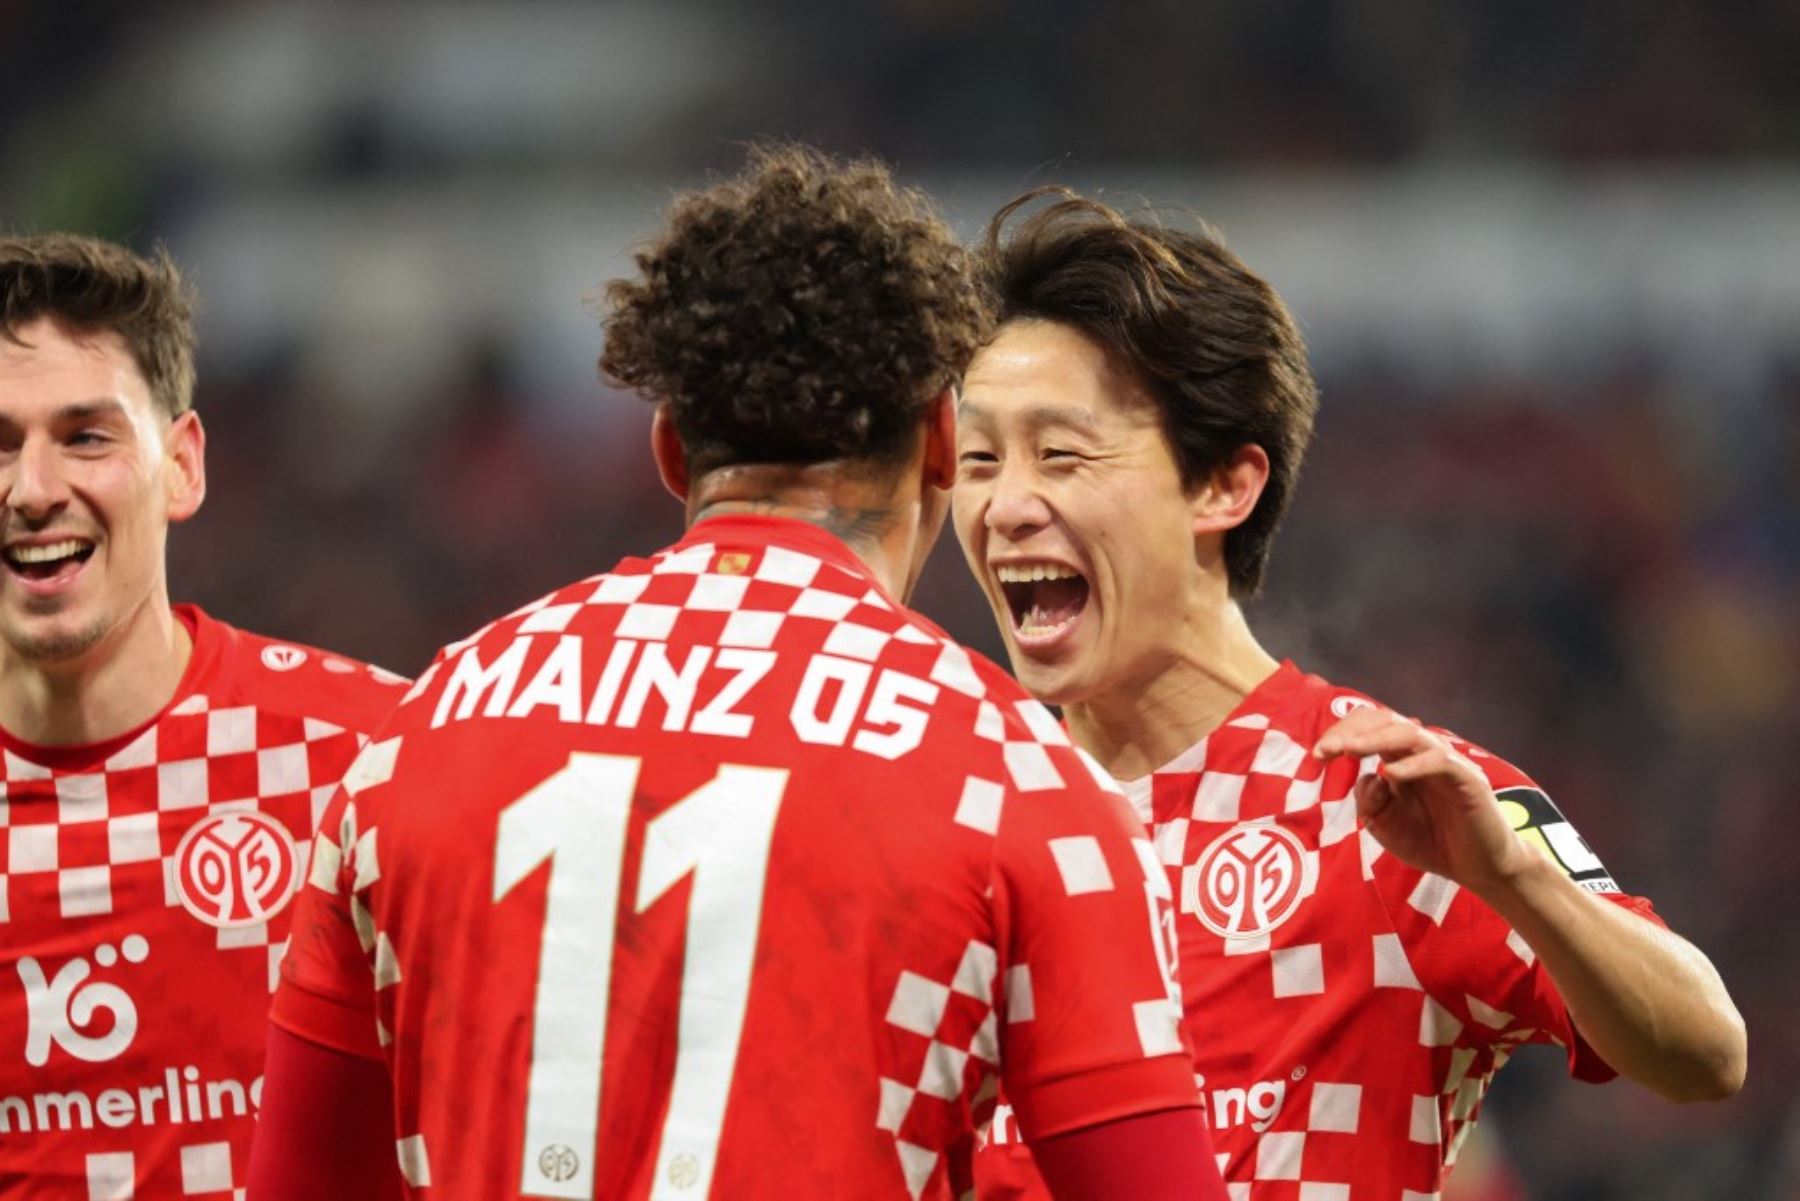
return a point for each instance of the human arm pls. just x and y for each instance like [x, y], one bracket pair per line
[1164, 1156]
[1095, 1063]
[326, 1126]
[1646, 1000]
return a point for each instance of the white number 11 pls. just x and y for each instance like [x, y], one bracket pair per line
[576, 820]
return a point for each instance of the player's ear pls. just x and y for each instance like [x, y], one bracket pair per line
[940, 439]
[670, 456]
[186, 444]
[1227, 495]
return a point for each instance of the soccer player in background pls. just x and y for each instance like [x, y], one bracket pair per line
[1373, 915]
[160, 771]
[722, 874]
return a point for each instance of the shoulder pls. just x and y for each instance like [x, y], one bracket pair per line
[1318, 704]
[1526, 805]
[289, 677]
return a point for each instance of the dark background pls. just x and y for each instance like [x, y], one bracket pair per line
[1547, 255]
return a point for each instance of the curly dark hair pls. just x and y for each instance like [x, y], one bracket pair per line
[803, 311]
[92, 286]
[1208, 338]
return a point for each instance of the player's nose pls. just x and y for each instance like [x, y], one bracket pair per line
[1017, 505]
[32, 481]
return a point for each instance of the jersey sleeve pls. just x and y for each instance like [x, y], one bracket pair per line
[327, 990]
[1090, 1014]
[1002, 1166]
[1485, 982]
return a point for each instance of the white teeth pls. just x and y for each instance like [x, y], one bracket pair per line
[1015, 573]
[46, 553]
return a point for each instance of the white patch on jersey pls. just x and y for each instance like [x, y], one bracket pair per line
[1021, 1004]
[752, 628]
[1278, 1155]
[373, 766]
[690, 560]
[1217, 797]
[81, 798]
[1487, 1015]
[825, 606]
[718, 593]
[916, 1164]
[649, 622]
[415, 1165]
[1392, 970]
[619, 589]
[896, 1101]
[1424, 1121]
[1432, 896]
[955, 670]
[1336, 1108]
[1081, 864]
[551, 619]
[1278, 755]
[782, 566]
[975, 974]
[1045, 728]
[1158, 1026]
[1438, 1027]
[918, 1004]
[387, 964]
[980, 805]
[282, 658]
[856, 641]
[1029, 765]
[1299, 970]
[943, 1075]
[111, 1176]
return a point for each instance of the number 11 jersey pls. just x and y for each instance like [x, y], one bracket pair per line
[722, 875]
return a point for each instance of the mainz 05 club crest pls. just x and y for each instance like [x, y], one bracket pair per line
[236, 869]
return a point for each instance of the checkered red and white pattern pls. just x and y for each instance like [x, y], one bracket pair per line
[948, 896]
[1348, 1012]
[91, 843]
[205, 1172]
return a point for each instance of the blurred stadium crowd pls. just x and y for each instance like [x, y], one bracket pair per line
[1584, 558]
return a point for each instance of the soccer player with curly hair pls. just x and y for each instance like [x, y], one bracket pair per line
[722, 874]
[1373, 915]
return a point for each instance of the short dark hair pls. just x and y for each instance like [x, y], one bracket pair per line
[1208, 339]
[92, 287]
[803, 311]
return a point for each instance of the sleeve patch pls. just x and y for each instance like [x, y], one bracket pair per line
[1535, 819]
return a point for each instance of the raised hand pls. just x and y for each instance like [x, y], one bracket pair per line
[1428, 804]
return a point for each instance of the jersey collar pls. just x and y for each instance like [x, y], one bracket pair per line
[1266, 700]
[753, 530]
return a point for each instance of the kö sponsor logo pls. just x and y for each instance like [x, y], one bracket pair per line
[62, 1009]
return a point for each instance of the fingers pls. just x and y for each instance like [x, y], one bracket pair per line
[1373, 796]
[1437, 759]
[1375, 732]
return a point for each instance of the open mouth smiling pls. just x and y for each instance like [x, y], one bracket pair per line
[44, 562]
[1044, 599]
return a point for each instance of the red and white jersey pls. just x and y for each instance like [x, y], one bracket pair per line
[144, 903]
[1348, 1011]
[723, 875]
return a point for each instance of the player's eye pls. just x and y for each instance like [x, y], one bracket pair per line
[1057, 452]
[977, 458]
